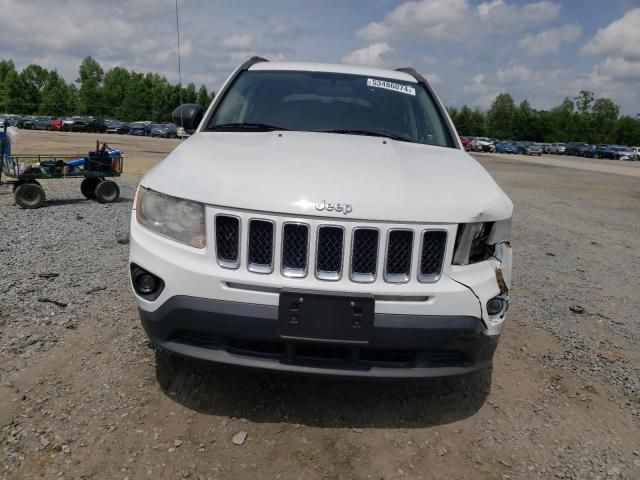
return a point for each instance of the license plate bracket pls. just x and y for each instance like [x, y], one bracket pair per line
[331, 318]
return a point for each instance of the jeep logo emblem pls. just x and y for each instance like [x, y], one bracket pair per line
[344, 208]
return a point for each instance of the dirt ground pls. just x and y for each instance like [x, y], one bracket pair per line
[84, 396]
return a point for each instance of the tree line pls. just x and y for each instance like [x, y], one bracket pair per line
[583, 118]
[117, 93]
[129, 95]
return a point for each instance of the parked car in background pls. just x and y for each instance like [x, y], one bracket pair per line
[546, 147]
[557, 148]
[466, 143]
[529, 148]
[182, 133]
[482, 144]
[10, 120]
[67, 124]
[28, 122]
[591, 152]
[165, 130]
[140, 128]
[506, 147]
[576, 148]
[97, 125]
[116, 126]
[622, 152]
[56, 124]
[42, 123]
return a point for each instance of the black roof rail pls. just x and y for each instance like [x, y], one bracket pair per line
[252, 61]
[412, 71]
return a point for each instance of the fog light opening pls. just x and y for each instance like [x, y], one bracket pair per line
[145, 283]
[495, 306]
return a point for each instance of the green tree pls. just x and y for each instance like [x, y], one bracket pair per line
[55, 97]
[12, 92]
[90, 80]
[114, 87]
[604, 116]
[500, 116]
[34, 78]
[203, 97]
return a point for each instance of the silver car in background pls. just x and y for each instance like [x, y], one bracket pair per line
[557, 148]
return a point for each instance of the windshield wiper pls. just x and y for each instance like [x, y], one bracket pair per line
[370, 133]
[256, 127]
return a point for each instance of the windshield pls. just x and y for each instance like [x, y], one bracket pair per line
[330, 102]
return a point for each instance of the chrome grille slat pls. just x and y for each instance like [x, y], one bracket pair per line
[329, 252]
[398, 259]
[227, 232]
[432, 255]
[295, 249]
[260, 247]
[364, 254]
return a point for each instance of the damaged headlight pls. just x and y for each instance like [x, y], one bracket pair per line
[475, 242]
[177, 219]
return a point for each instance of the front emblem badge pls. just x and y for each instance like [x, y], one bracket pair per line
[344, 208]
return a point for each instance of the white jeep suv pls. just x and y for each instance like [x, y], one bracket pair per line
[323, 219]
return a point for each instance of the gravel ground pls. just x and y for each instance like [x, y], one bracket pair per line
[84, 396]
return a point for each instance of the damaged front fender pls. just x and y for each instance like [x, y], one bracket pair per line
[486, 280]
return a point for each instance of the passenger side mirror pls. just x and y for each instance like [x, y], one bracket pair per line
[188, 115]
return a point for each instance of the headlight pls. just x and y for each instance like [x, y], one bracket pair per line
[475, 242]
[177, 219]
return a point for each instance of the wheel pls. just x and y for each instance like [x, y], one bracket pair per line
[107, 191]
[29, 195]
[88, 187]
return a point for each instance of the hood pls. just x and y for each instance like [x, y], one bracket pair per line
[291, 172]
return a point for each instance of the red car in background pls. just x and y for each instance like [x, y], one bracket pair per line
[466, 143]
[56, 124]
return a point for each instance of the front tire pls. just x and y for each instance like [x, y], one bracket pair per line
[107, 191]
[88, 187]
[29, 195]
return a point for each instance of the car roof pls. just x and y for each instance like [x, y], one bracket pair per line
[334, 68]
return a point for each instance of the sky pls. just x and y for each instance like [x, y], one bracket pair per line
[469, 50]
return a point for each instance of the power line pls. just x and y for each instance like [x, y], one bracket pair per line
[179, 63]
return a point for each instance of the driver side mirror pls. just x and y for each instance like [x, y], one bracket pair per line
[188, 115]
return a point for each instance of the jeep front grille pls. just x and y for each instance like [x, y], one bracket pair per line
[227, 240]
[329, 252]
[260, 251]
[295, 249]
[299, 248]
[399, 250]
[364, 255]
[431, 257]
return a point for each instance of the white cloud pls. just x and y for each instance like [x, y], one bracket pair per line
[424, 18]
[371, 55]
[238, 41]
[374, 31]
[458, 20]
[548, 41]
[620, 38]
[514, 74]
[485, 8]
[618, 68]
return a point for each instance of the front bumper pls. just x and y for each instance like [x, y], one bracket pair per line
[403, 346]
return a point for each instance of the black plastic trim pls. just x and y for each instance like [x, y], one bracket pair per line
[218, 325]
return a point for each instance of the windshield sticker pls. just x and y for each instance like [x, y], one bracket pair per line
[396, 87]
